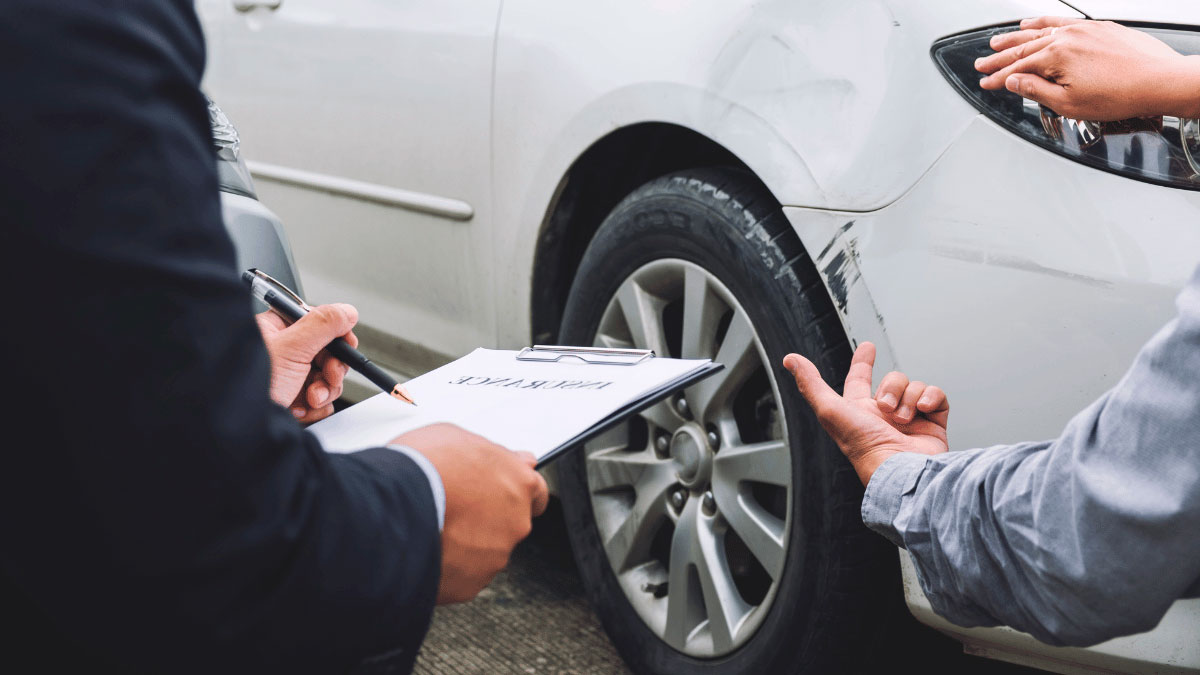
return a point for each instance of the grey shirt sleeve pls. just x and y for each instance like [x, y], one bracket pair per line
[1077, 540]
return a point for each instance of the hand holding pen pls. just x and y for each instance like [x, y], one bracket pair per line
[304, 377]
[311, 349]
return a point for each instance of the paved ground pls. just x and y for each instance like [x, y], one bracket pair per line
[535, 619]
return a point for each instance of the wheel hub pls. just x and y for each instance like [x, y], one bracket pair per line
[692, 456]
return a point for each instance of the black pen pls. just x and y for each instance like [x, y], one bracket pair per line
[284, 302]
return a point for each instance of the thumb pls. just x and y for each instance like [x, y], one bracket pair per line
[304, 339]
[831, 409]
[1036, 88]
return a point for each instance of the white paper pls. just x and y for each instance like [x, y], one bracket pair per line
[491, 393]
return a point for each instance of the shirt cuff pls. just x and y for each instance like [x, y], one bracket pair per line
[435, 480]
[894, 479]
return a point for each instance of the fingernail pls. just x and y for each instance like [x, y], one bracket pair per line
[925, 401]
[904, 413]
[978, 61]
[1013, 84]
[889, 400]
[322, 393]
[297, 412]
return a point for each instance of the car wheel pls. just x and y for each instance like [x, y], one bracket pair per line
[719, 531]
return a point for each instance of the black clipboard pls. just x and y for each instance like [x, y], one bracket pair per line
[611, 357]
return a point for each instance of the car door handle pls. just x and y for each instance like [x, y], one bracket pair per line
[250, 5]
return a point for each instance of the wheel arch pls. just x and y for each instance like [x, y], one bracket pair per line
[597, 180]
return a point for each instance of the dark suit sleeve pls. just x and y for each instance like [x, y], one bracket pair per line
[156, 508]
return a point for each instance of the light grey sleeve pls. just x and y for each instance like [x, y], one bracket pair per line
[1076, 540]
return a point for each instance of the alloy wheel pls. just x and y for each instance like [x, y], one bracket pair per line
[692, 497]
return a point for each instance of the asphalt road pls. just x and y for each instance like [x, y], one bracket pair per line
[535, 619]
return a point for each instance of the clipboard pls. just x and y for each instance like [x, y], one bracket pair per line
[545, 399]
[616, 357]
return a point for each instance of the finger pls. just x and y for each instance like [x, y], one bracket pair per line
[1048, 22]
[269, 322]
[324, 359]
[1030, 59]
[829, 407]
[317, 393]
[907, 410]
[334, 374]
[934, 405]
[1008, 55]
[308, 336]
[891, 389]
[541, 495]
[527, 458]
[1037, 88]
[316, 414]
[858, 379]
[1005, 41]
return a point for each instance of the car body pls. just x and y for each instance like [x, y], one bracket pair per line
[258, 236]
[456, 144]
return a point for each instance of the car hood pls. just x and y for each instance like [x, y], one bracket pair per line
[1156, 11]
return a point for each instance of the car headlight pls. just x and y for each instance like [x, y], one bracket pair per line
[232, 174]
[1163, 150]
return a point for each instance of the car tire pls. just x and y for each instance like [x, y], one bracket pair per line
[831, 591]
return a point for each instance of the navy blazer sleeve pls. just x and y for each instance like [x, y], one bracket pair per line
[157, 510]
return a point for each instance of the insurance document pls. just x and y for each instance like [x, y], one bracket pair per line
[542, 407]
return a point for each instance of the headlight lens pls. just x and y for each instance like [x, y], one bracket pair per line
[232, 174]
[1163, 150]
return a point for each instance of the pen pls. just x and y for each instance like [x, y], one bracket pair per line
[284, 302]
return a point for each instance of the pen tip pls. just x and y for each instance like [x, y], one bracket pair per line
[402, 394]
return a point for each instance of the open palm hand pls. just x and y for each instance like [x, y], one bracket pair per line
[902, 416]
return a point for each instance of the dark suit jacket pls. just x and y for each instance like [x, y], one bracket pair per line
[157, 512]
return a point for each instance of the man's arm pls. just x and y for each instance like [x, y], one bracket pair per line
[1076, 540]
[158, 509]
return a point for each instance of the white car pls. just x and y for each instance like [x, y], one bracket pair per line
[735, 179]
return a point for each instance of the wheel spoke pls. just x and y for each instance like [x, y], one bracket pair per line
[643, 314]
[663, 417]
[685, 605]
[739, 355]
[768, 462]
[630, 544]
[615, 467]
[702, 310]
[762, 532]
[610, 342]
[722, 601]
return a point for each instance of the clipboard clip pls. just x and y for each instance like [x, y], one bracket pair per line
[599, 356]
